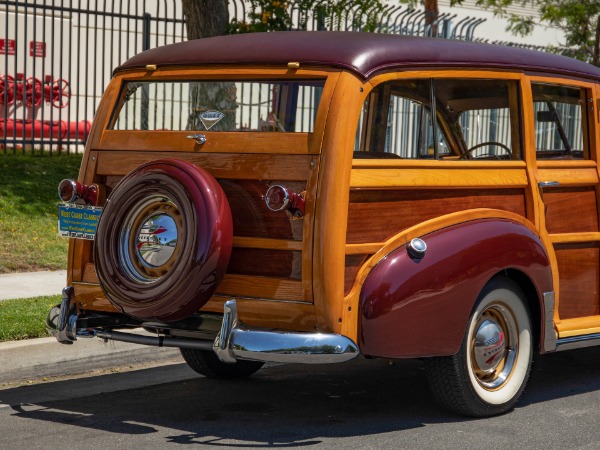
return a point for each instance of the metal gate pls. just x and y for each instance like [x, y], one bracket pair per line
[57, 56]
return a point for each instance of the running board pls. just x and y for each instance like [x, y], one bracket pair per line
[586, 340]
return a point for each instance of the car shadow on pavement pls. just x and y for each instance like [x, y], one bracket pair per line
[281, 406]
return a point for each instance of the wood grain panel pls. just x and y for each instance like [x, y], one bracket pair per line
[251, 217]
[223, 165]
[282, 315]
[569, 176]
[216, 142]
[579, 279]
[243, 286]
[268, 263]
[234, 285]
[376, 215]
[353, 265]
[571, 210]
[437, 178]
[244, 261]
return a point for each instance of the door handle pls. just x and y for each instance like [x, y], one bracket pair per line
[199, 138]
[545, 184]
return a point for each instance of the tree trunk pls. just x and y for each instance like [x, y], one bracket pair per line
[205, 18]
[208, 18]
[596, 54]
[431, 14]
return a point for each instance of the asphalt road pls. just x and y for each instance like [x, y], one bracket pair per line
[362, 404]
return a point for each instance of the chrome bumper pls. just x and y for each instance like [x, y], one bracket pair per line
[233, 342]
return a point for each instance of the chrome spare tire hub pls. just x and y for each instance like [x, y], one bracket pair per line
[149, 240]
[156, 240]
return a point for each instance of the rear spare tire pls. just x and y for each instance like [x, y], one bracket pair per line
[163, 241]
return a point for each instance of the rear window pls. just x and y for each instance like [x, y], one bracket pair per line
[219, 105]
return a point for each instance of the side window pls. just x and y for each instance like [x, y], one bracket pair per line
[560, 121]
[475, 119]
[396, 122]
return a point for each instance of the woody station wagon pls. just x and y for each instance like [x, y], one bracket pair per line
[310, 197]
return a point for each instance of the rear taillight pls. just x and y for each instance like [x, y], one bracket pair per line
[280, 198]
[70, 190]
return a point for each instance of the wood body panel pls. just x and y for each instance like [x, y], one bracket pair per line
[235, 285]
[579, 279]
[571, 210]
[227, 166]
[284, 315]
[216, 142]
[577, 327]
[569, 176]
[438, 177]
[375, 216]
[352, 267]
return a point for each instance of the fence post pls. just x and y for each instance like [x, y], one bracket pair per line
[145, 106]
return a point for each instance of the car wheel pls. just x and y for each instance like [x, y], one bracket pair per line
[206, 363]
[489, 373]
[163, 241]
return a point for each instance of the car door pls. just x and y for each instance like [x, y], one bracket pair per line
[567, 176]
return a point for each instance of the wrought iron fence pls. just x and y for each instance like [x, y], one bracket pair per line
[56, 56]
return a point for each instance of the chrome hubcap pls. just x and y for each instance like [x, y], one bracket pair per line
[156, 240]
[489, 346]
[494, 346]
[149, 240]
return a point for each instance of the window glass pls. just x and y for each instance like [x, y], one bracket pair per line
[559, 114]
[474, 120]
[269, 105]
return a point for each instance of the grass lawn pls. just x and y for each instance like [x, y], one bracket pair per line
[26, 318]
[28, 211]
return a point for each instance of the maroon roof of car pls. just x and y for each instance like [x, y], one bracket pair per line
[362, 53]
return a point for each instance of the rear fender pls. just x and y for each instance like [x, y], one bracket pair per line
[420, 307]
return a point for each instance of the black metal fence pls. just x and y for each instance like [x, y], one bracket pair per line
[56, 56]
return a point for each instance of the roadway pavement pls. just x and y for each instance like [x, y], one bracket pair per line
[44, 358]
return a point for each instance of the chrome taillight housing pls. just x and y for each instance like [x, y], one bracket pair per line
[280, 198]
[70, 191]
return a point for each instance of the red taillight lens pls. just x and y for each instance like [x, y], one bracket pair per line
[71, 190]
[277, 198]
[67, 190]
[280, 198]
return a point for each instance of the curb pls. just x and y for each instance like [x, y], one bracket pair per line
[44, 357]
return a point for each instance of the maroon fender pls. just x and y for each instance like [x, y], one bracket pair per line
[163, 241]
[420, 307]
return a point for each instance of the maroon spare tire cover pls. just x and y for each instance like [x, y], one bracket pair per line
[163, 241]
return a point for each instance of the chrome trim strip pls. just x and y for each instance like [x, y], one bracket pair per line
[549, 331]
[237, 342]
[587, 340]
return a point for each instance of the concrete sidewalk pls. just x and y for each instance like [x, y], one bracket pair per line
[35, 359]
[32, 284]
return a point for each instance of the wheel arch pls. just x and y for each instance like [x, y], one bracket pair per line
[534, 303]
